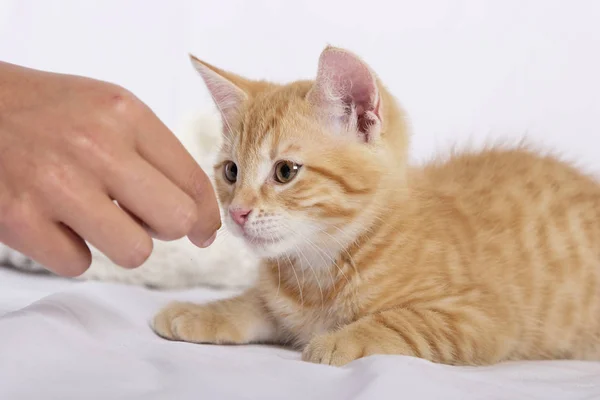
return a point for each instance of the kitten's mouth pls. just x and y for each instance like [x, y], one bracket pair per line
[262, 241]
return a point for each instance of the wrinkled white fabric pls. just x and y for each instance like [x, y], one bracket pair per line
[89, 340]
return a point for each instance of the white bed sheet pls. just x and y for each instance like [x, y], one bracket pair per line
[64, 340]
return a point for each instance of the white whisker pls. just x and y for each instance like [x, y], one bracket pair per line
[314, 273]
[343, 248]
[319, 250]
[297, 280]
[278, 270]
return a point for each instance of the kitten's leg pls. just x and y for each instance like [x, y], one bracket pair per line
[238, 320]
[437, 336]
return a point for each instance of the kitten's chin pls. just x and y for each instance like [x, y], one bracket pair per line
[262, 247]
[269, 248]
[266, 248]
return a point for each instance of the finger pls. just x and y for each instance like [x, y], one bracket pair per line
[108, 228]
[50, 244]
[140, 222]
[162, 206]
[157, 144]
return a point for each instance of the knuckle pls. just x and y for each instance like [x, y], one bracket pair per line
[199, 184]
[122, 102]
[96, 149]
[138, 253]
[54, 178]
[102, 136]
[86, 141]
[184, 218]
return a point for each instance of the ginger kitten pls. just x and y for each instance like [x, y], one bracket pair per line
[481, 258]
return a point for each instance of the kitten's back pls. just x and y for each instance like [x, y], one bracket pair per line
[533, 223]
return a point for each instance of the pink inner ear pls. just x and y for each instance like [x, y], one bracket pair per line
[347, 89]
[226, 95]
[349, 77]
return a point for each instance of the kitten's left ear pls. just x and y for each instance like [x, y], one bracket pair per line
[345, 92]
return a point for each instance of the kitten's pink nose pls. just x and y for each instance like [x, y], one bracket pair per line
[240, 215]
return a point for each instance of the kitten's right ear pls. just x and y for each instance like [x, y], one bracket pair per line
[225, 88]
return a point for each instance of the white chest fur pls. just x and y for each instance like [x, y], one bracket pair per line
[317, 312]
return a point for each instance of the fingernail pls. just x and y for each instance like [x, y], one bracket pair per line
[209, 241]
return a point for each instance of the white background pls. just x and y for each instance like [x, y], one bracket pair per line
[464, 70]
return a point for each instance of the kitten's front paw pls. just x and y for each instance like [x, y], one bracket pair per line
[337, 348]
[195, 323]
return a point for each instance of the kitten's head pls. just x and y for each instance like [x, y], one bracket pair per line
[305, 167]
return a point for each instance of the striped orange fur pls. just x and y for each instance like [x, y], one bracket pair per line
[480, 258]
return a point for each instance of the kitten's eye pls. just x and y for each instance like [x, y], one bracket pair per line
[230, 172]
[285, 171]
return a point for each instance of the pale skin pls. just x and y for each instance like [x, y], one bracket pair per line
[86, 161]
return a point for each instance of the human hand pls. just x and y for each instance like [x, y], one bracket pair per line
[72, 146]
